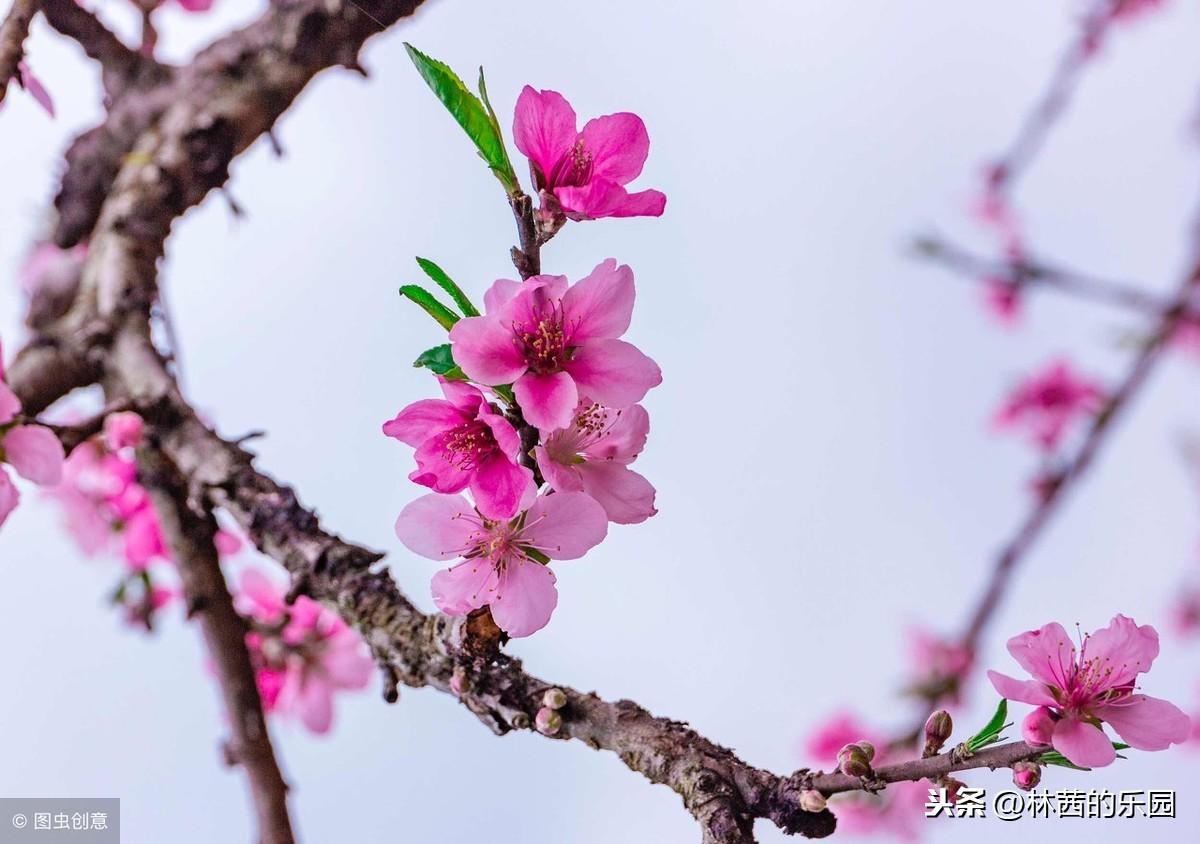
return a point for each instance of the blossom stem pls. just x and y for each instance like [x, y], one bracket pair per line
[930, 768]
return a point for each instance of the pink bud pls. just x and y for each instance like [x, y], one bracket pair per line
[548, 721]
[937, 729]
[1038, 726]
[854, 761]
[123, 430]
[1026, 775]
[554, 699]
[812, 800]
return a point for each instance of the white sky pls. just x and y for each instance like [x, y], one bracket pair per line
[825, 472]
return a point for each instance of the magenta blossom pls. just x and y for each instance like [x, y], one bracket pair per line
[586, 171]
[553, 342]
[1002, 299]
[504, 566]
[300, 664]
[1047, 403]
[1075, 694]
[464, 442]
[33, 450]
[593, 454]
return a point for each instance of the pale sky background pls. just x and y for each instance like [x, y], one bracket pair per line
[826, 476]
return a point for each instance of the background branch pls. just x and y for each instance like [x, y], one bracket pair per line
[13, 32]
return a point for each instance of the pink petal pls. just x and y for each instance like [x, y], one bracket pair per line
[314, 702]
[499, 294]
[565, 526]
[346, 662]
[560, 477]
[547, 401]
[466, 397]
[423, 419]
[619, 145]
[1147, 723]
[123, 430]
[465, 587]
[35, 88]
[36, 453]
[9, 496]
[1026, 691]
[627, 497]
[1048, 654]
[10, 405]
[228, 543]
[196, 5]
[543, 128]
[505, 434]
[525, 598]
[440, 527]
[1121, 651]
[497, 485]
[1038, 727]
[259, 596]
[602, 198]
[143, 539]
[612, 372]
[486, 350]
[437, 472]
[600, 305]
[625, 439]
[1082, 743]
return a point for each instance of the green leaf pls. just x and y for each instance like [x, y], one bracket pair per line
[444, 316]
[446, 283]
[440, 361]
[477, 121]
[1053, 757]
[991, 731]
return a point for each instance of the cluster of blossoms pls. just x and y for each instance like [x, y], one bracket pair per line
[540, 418]
[1046, 404]
[302, 653]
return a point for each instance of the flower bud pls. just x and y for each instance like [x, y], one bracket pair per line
[548, 721]
[868, 749]
[812, 800]
[554, 699]
[853, 760]
[952, 786]
[937, 729]
[1026, 775]
[1038, 726]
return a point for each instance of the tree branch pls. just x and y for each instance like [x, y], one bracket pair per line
[121, 67]
[932, 767]
[13, 33]
[189, 528]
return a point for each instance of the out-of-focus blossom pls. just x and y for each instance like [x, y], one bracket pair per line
[937, 666]
[1002, 299]
[593, 454]
[585, 172]
[464, 442]
[504, 562]
[554, 343]
[1048, 402]
[34, 451]
[123, 430]
[303, 654]
[1076, 692]
[34, 87]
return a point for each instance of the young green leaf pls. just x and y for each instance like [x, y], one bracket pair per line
[444, 316]
[1053, 757]
[991, 731]
[478, 122]
[440, 361]
[446, 283]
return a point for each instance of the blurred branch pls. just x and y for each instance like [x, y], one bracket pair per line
[189, 529]
[13, 32]
[120, 65]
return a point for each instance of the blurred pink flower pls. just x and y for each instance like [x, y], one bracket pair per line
[593, 454]
[821, 746]
[34, 87]
[585, 171]
[303, 654]
[1075, 693]
[33, 451]
[464, 442]
[937, 665]
[505, 561]
[553, 342]
[123, 430]
[1002, 299]
[1048, 402]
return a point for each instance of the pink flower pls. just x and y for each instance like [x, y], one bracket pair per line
[1002, 299]
[464, 442]
[553, 343]
[301, 664]
[593, 454]
[1074, 695]
[49, 267]
[1047, 403]
[937, 665]
[505, 561]
[1186, 338]
[123, 430]
[823, 743]
[33, 450]
[585, 171]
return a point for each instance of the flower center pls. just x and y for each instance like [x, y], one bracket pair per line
[543, 342]
[468, 444]
[573, 169]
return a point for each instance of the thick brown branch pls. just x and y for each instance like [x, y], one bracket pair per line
[189, 528]
[931, 768]
[13, 32]
[120, 65]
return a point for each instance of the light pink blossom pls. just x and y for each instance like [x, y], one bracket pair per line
[303, 654]
[33, 451]
[1075, 693]
[593, 454]
[504, 562]
[1003, 301]
[123, 430]
[1048, 402]
[937, 665]
[464, 442]
[553, 343]
[586, 171]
